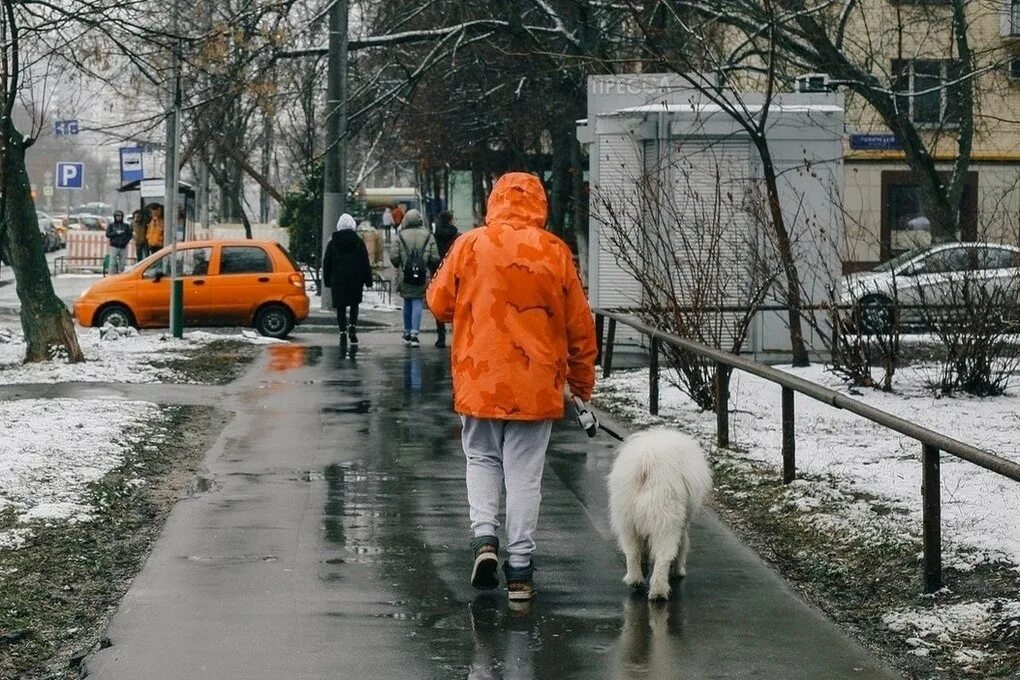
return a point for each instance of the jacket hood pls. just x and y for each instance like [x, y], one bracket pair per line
[412, 219]
[518, 200]
[346, 222]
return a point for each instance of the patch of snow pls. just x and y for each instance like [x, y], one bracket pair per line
[53, 449]
[12, 539]
[116, 356]
[980, 509]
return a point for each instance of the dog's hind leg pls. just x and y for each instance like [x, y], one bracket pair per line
[664, 550]
[631, 545]
[680, 563]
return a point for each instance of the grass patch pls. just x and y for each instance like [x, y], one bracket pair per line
[217, 363]
[58, 590]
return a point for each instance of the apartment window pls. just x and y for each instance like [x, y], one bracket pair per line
[929, 91]
[905, 222]
[1013, 18]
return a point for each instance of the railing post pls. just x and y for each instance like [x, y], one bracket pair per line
[653, 379]
[600, 323]
[607, 360]
[789, 440]
[931, 493]
[722, 404]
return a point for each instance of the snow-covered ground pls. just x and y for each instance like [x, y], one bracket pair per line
[52, 449]
[117, 358]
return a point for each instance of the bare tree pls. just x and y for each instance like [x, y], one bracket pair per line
[696, 257]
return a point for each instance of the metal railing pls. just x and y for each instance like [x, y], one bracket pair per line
[932, 443]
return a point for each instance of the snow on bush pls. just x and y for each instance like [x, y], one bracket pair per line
[116, 355]
[52, 449]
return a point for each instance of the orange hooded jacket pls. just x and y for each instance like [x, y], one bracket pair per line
[522, 323]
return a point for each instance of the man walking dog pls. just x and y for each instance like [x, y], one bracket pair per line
[522, 331]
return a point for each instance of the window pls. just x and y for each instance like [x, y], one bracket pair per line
[1011, 20]
[948, 260]
[905, 221]
[244, 260]
[190, 262]
[928, 90]
[997, 258]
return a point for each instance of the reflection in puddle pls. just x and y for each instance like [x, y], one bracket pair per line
[650, 642]
[504, 649]
[412, 373]
[289, 357]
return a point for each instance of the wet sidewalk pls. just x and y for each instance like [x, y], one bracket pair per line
[332, 544]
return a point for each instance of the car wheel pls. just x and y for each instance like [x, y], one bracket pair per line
[115, 315]
[274, 321]
[874, 314]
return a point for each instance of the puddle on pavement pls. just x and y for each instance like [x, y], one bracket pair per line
[288, 357]
[360, 407]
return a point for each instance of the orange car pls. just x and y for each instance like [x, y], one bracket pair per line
[226, 283]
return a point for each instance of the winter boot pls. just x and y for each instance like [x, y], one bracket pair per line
[519, 582]
[353, 332]
[484, 573]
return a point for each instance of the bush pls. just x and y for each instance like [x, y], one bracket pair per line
[301, 216]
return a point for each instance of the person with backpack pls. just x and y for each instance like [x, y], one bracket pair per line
[525, 333]
[346, 271]
[414, 254]
[446, 234]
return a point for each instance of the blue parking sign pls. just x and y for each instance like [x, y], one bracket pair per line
[70, 175]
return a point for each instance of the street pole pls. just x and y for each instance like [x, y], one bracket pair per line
[172, 181]
[335, 171]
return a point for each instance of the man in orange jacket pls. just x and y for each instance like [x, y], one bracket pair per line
[523, 331]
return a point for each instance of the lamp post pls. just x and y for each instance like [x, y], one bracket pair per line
[334, 192]
[172, 180]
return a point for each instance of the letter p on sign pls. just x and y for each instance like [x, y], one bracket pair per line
[70, 175]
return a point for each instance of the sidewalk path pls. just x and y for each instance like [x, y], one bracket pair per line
[332, 545]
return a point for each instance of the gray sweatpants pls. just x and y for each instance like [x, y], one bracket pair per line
[510, 453]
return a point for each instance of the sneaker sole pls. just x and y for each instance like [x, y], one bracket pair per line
[484, 574]
[520, 595]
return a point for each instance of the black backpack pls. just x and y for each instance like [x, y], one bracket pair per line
[416, 270]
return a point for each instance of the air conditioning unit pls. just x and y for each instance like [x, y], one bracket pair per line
[1014, 69]
[813, 82]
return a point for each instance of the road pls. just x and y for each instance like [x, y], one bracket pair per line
[332, 543]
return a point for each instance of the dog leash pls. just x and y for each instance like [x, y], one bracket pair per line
[589, 423]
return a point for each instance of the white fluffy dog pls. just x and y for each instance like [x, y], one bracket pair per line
[659, 479]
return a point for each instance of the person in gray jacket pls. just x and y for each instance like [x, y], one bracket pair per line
[415, 254]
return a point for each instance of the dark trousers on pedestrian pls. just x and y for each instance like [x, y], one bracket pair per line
[346, 317]
[441, 333]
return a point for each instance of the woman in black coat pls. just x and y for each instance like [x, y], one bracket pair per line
[346, 271]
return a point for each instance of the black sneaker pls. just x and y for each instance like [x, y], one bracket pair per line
[407, 338]
[520, 586]
[353, 332]
[414, 341]
[343, 340]
[484, 573]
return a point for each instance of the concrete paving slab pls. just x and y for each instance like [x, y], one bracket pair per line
[332, 544]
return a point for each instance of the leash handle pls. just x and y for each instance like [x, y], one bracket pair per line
[585, 418]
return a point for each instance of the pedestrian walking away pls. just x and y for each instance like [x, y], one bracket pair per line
[387, 223]
[414, 255]
[346, 271]
[139, 228]
[525, 334]
[446, 234]
[119, 234]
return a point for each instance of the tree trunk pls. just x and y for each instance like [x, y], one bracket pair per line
[45, 321]
[793, 301]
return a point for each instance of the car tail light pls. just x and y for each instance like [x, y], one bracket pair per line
[297, 280]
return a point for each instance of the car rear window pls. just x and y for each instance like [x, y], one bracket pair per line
[244, 260]
[293, 262]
